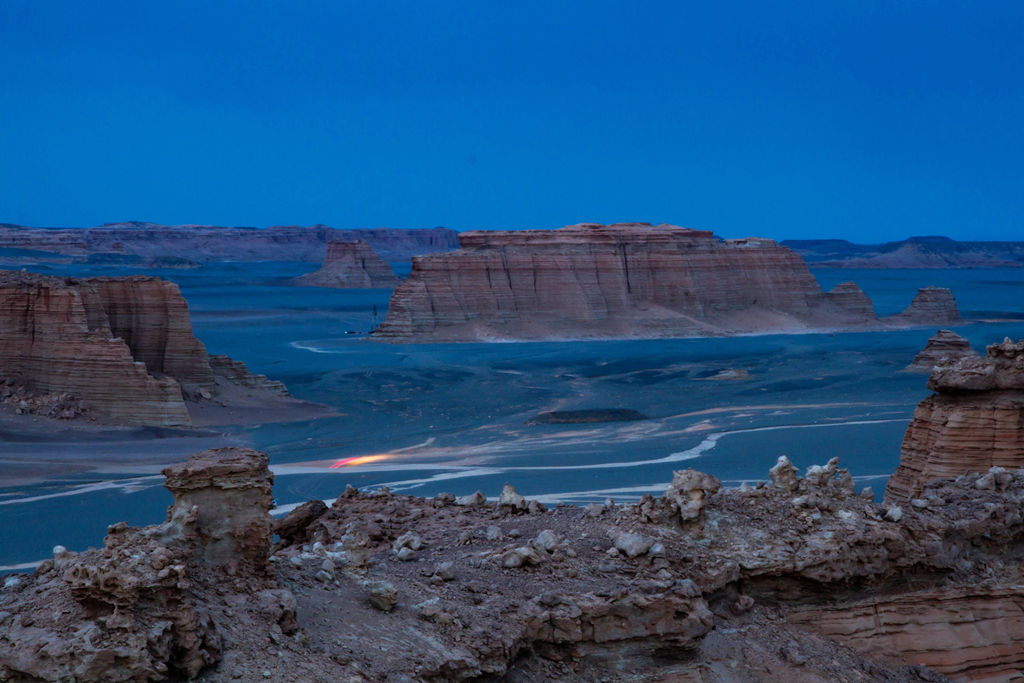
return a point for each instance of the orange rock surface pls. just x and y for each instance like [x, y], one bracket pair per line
[123, 346]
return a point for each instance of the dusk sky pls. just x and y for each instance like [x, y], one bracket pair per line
[863, 120]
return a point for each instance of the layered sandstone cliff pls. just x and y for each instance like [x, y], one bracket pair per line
[622, 280]
[944, 347]
[122, 346]
[930, 306]
[139, 243]
[797, 579]
[352, 265]
[973, 421]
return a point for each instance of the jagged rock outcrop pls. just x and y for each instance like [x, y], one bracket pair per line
[973, 422]
[799, 579]
[123, 347]
[148, 605]
[944, 347]
[142, 244]
[622, 280]
[930, 306]
[353, 265]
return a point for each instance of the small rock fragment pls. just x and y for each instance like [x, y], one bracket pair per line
[410, 539]
[518, 557]
[783, 474]
[630, 544]
[472, 500]
[510, 499]
[546, 540]
[382, 595]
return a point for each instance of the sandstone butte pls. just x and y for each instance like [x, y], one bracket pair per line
[973, 421]
[627, 280]
[353, 265]
[123, 346]
[152, 242]
[944, 347]
[796, 579]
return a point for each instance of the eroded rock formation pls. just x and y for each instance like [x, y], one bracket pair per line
[352, 265]
[973, 421]
[930, 306]
[798, 579]
[944, 347]
[622, 280]
[149, 604]
[850, 297]
[123, 347]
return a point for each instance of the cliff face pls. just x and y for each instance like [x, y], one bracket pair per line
[796, 579]
[351, 265]
[123, 346]
[973, 422]
[622, 280]
[146, 242]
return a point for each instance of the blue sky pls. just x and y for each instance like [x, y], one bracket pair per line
[863, 120]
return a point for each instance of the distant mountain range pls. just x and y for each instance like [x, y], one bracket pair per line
[138, 243]
[915, 252]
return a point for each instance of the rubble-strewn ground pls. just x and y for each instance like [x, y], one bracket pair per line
[764, 583]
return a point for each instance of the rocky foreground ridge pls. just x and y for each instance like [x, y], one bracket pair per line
[351, 265]
[627, 280]
[797, 578]
[141, 243]
[973, 421]
[120, 348]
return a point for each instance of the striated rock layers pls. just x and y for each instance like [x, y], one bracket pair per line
[122, 346]
[353, 265]
[140, 243]
[944, 347]
[973, 421]
[930, 306]
[797, 579]
[622, 280]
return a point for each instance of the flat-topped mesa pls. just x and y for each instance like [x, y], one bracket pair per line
[620, 280]
[353, 265]
[930, 306]
[123, 346]
[974, 421]
[943, 348]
